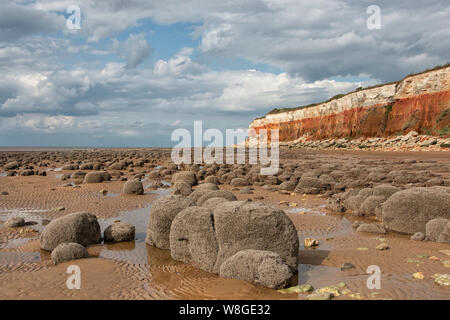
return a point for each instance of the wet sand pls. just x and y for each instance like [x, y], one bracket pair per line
[134, 270]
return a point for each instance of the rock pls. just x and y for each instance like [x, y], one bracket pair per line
[335, 205]
[162, 213]
[347, 266]
[185, 176]
[216, 194]
[192, 238]
[382, 246]
[119, 232]
[246, 190]
[11, 165]
[201, 190]
[371, 228]
[14, 222]
[68, 252]
[408, 211]
[212, 179]
[212, 203]
[418, 236]
[263, 268]
[310, 243]
[133, 187]
[239, 182]
[369, 205]
[385, 190]
[244, 225]
[182, 188]
[97, 177]
[78, 175]
[82, 228]
[4, 193]
[438, 230]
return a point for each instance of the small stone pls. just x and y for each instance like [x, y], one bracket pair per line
[418, 236]
[418, 275]
[347, 266]
[103, 191]
[310, 242]
[67, 252]
[59, 209]
[383, 246]
[434, 258]
[4, 193]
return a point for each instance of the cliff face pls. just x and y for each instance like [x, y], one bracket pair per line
[420, 103]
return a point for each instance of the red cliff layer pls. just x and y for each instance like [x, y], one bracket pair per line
[420, 103]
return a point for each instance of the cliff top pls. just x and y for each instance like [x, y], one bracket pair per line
[276, 110]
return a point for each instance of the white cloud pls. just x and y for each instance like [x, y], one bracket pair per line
[135, 49]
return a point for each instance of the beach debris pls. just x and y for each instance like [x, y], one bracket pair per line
[446, 252]
[362, 249]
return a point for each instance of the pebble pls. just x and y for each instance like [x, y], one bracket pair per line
[383, 246]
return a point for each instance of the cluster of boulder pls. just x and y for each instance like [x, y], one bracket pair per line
[210, 229]
[67, 237]
[411, 141]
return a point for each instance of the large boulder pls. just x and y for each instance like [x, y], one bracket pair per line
[193, 239]
[259, 267]
[82, 228]
[97, 177]
[201, 190]
[162, 213]
[185, 176]
[133, 187]
[212, 203]
[182, 188]
[408, 211]
[119, 232]
[68, 252]
[438, 230]
[244, 225]
[216, 194]
[369, 205]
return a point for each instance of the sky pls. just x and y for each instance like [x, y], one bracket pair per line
[136, 70]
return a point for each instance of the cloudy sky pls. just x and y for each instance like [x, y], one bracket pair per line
[138, 69]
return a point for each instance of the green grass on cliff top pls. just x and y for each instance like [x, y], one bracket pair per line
[276, 110]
